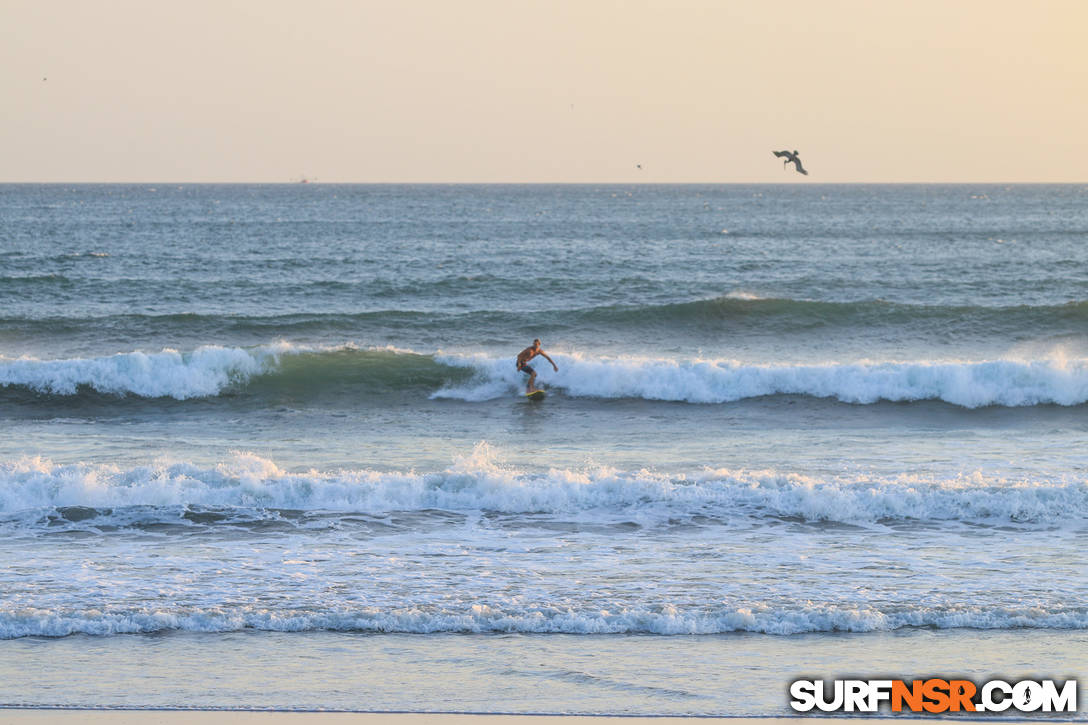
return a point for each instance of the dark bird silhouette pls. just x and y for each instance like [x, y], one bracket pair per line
[791, 156]
[638, 166]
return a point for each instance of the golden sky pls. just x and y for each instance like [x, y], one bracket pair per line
[543, 91]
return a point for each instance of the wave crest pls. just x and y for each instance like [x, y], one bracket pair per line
[207, 371]
[212, 371]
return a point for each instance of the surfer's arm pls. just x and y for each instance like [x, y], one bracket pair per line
[545, 356]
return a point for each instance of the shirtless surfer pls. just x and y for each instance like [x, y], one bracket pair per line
[523, 363]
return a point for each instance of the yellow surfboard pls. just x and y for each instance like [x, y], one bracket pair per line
[535, 395]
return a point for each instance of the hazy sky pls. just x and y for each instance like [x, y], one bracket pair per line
[548, 91]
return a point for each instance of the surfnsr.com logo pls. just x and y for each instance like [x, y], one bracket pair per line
[934, 695]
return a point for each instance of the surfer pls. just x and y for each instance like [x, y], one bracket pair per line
[523, 363]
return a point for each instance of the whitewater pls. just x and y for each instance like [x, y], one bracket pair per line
[482, 513]
[40, 493]
[211, 371]
[278, 431]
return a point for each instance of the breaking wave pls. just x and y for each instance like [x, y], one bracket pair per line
[212, 371]
[551, 619]
[307, 372]
[36, 492]
[1057, 381]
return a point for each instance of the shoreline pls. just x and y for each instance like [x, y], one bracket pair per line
[174, 716]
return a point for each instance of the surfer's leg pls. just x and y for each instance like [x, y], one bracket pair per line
[532, 376]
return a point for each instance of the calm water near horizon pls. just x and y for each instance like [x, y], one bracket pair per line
[265, 445]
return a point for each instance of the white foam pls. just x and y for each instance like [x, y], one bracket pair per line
[30, 486]
[206, 371]
[210, 370]
[970, 384]
[552, 619]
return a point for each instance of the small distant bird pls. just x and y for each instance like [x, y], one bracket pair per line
[638, 166]
[791, 156]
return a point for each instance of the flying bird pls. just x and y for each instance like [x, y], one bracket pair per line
[791, 156]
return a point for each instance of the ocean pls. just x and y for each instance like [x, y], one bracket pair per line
[265, 446]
